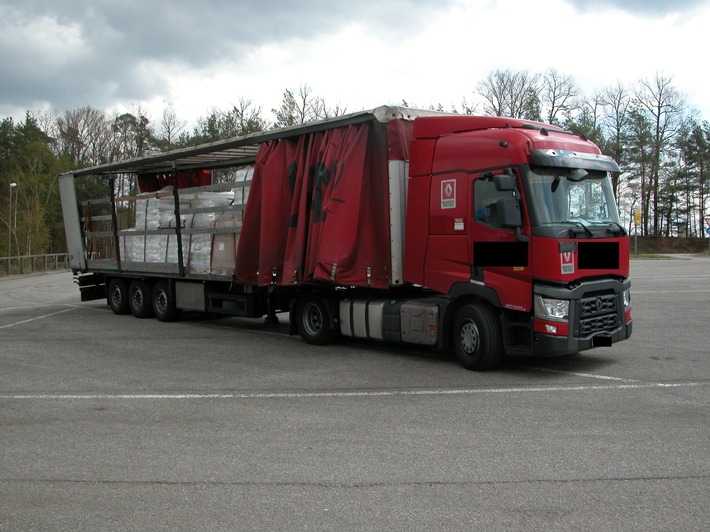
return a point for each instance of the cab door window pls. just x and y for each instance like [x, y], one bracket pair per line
[485, 197]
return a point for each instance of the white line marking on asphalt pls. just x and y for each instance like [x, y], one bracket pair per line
[577, 374]
[95, 309]
[36, 318]
[655, 278]
[384, 393]
[635, 293]
[27, 307]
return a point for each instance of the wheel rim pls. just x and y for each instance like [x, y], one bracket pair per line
[137, 297]
[116, 299]
[469, 337]
[312, 319]
[161, 301]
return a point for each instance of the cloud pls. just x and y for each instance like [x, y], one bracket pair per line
[67, 53]
[640, 7]
[64, 54]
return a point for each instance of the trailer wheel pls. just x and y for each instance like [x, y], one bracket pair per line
[313, 321]
[139, 299]
[163, 306]
[478, 341]
[118, 296]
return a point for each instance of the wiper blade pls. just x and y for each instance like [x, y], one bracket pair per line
[621, 230]
[578, 224]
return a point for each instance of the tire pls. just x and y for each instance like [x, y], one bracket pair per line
[313, 321]
[163, 304]
[139, 299]
[477, 337]
[117, 296]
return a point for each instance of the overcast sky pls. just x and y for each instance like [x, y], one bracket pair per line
[200, 55]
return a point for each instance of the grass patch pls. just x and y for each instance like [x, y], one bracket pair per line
[655, 256]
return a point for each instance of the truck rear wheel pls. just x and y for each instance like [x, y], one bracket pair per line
[313, 321]
[477, 337]
[118, 296]
[139, 299]
[163, 305]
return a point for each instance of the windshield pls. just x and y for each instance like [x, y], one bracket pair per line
[564, 196]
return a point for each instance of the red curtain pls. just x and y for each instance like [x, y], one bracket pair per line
[318, 209]
[156, 182]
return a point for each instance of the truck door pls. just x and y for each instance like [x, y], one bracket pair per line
[448, 258]
[499, 258]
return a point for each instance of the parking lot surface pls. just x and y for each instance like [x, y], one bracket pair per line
[114, 423]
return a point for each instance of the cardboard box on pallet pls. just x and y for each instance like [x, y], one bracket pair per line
[224, 245]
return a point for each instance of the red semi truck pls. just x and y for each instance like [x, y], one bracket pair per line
[482, 235]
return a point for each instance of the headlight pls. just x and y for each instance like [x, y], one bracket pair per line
[551, 309]
[627, 299]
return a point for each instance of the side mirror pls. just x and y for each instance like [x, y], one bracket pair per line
[504, 182]
[508, 213]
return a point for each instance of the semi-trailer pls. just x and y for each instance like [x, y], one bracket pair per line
[482, 235]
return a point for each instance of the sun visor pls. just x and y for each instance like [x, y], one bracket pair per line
[573, 159]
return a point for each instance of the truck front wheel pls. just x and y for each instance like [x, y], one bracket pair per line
[118, 296]
[477, 339]
[139, 299]
[313, 321]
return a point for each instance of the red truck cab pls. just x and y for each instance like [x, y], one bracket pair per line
[517, 220]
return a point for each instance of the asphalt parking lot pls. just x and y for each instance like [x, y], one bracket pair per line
[113, 423]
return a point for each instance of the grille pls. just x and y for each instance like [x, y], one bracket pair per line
[592, 306]
[601, 323]
[597, 313]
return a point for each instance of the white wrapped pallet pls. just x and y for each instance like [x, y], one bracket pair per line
[168, 247]
[166, 209]
[201, 243]
[131, 247]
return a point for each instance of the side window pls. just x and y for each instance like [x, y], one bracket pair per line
[485, 197]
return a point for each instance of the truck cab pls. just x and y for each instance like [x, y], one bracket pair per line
[518, 220]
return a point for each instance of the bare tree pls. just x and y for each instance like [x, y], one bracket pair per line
[663, 106]
[559, 96]
[586, 122]
[297, 107]
[301, 106]
[170, 127]
[47, 121]
[133, 135]
[85, 136]
[616, 124]
[467, 108]
[512, 94]
[241, 119]
[321, 110]
[248, 117]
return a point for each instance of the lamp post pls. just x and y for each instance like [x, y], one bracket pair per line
[9, 227]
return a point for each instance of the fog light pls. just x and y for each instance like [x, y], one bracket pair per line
[550, 328]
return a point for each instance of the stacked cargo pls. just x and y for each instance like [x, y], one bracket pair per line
[207, 206]
[168, 245]
[208, 211]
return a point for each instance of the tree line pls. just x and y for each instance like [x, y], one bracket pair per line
[659, 141]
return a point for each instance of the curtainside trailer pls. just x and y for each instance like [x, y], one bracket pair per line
[481, 235]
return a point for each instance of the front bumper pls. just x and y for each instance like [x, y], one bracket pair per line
[546, 345]
[597, 318]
